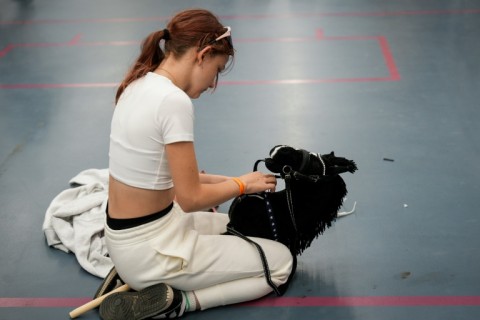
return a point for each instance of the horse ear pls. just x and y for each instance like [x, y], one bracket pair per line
[281, 153]
[277, 158]
[276, 149]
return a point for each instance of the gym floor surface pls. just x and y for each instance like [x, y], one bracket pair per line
[392, 84]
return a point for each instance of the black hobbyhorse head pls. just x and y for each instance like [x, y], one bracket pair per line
[313, 195]
[307, 163]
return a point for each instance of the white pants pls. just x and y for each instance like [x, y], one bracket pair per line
[188, 252]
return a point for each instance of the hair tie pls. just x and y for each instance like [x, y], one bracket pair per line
[166, 34]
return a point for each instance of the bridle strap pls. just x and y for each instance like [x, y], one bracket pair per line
[305, 159]
[255, 166]
[288, 188]
[288, 174]
[263, 257]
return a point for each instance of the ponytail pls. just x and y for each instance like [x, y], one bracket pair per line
[190, 28]
[149, 59]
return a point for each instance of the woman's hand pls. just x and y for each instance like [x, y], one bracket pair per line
[258, 182]
[193, 194]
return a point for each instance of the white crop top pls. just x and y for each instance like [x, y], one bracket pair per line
[150, 113]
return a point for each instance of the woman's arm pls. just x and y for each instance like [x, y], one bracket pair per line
[212, 178]
[192, 194]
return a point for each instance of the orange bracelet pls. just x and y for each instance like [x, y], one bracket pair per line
[241, 185]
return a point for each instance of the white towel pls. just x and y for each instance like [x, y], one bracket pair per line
[74, 221]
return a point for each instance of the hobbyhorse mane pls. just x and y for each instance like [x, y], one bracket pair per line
[317, 189]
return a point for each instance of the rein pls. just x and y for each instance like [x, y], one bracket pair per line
[287, 175]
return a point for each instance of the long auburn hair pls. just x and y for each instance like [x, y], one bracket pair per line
[187, 29]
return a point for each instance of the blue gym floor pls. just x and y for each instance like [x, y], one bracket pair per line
[392, 84]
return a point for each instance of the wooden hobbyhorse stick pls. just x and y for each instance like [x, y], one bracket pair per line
[96, 302]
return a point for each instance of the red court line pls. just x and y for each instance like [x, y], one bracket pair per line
[373, 301]
[221, 83]
[394, 74]
[380, 301]
[355, 14]
[389, 60]
[302, 81]
[383, 44]
[75, 41]
[256, 16]
[84, 21]
[58, 85]
[42, 302]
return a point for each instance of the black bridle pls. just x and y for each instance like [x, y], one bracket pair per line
[288, 174]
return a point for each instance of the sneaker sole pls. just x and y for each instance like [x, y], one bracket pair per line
[108, 284]
[139, 305]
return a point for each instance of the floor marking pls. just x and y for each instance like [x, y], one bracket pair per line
[257, 16]
[379, 301]
[381, 41]
[59, 85]
[372, 301]
[42, 302]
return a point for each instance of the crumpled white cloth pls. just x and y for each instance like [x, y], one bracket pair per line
[75, 221]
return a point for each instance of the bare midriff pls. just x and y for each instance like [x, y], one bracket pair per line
[125, 202]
